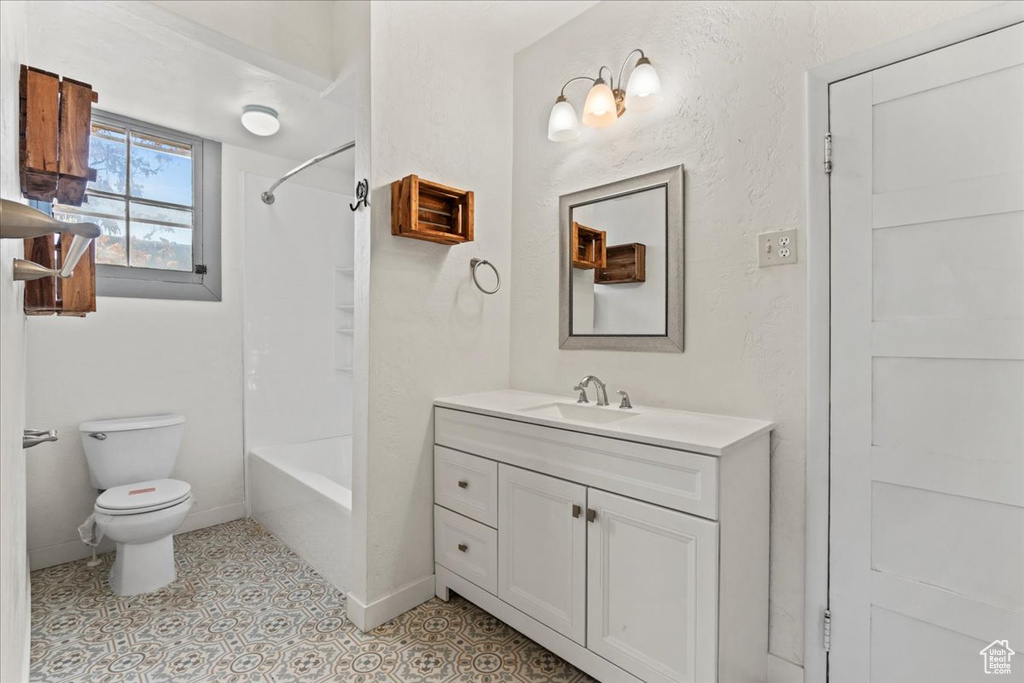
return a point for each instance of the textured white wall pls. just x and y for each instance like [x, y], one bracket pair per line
[442, 109]
[14, 593]
[732, 75]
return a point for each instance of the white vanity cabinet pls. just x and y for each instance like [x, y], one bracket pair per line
[633, 560]
[542, 549]
[652, 588]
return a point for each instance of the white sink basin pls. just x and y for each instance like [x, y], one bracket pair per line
[580, 413]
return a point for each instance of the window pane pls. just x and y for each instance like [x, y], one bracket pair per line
[161, 237]
[161, 170]
[108, 155]
[109, 215]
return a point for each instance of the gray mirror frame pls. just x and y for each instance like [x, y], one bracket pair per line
[671, 342]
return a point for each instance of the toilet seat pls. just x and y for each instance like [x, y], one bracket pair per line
[143, 497]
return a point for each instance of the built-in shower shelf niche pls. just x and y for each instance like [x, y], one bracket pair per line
[343, 350]
[344, 322]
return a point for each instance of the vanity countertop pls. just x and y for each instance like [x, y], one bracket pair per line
[695, 432]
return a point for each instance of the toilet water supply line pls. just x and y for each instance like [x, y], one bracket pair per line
[91, 536]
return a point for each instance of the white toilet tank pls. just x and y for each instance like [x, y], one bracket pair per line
[131, 449]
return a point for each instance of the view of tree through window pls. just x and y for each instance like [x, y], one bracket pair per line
[142, 199]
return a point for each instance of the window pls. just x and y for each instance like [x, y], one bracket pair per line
[156, 198]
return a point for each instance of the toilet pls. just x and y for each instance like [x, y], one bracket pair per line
[139, 508]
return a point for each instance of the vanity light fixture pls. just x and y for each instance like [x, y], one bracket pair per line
[260, 120]
[606, 101]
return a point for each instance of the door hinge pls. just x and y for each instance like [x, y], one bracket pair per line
[828, 152]
[826, 631]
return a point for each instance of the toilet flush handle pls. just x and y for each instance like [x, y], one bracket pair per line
[99, 436]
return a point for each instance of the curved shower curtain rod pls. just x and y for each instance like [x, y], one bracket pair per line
[268, 196]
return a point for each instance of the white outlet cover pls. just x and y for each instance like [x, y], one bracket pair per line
[776, 248]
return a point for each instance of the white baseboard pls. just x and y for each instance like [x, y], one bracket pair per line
[48, 556]
[369, 616]
[784, 671]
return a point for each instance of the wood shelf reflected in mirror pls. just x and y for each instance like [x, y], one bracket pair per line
[624, 263]
[588, 247]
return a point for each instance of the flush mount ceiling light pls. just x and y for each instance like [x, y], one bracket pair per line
[260, 120]
[606, 101]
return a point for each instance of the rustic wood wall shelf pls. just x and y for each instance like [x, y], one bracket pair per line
[73, 296]
[588, 247]
[56, 119]
[624, 263]
[430, 211]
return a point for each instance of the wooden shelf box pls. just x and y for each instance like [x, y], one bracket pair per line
[55, 128]
[430, 211]
[624, 263]
[74, 296]
[588, 247]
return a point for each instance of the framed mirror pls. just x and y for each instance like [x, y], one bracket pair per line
[622, 265]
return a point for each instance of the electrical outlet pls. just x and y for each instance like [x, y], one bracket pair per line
[776, 248]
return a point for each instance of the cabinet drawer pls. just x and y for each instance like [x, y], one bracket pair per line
[467, 548]
[466, 484]
[680, 480]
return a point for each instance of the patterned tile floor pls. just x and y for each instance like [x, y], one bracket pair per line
[247, 609]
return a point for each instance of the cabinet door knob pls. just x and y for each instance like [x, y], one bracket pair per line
[591, 514]
[576, 509]
[463, 547]
[463, 484]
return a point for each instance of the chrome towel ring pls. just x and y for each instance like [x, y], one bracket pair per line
[477, 262]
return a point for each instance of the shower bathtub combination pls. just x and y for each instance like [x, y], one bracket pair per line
[302, 494]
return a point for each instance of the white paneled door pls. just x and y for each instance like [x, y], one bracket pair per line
[927, 395]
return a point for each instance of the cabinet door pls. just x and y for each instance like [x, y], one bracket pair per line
[542, 549]
[652, 589]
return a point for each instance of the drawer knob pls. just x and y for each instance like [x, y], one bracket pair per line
[591, 514]
[463, 484]
[463, 547]
[576, 511]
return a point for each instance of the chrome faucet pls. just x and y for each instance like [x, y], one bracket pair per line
[602, 390]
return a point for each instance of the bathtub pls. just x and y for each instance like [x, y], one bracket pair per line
[302, 494]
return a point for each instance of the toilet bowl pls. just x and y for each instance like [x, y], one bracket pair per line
[139, 507]
[141, 518]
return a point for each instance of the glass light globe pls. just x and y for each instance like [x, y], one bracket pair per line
[260, 120]
[644, 90]
[599, 110]
[563, 124]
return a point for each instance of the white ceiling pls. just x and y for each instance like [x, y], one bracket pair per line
[515, 24]
[159, 74]
[191, 72]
